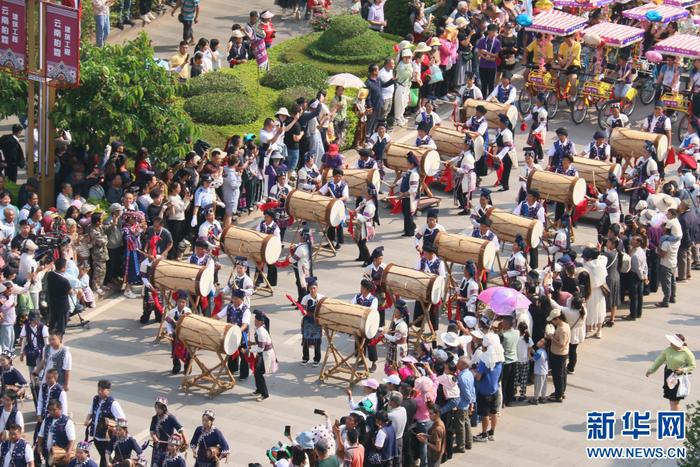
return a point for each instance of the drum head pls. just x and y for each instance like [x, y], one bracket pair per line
[662, 148]
[478, 147]
[436, 292]
[489, 254]
[337, 213]
[512, 113]
[536, 234]
[206, 279]
[578, 191]
[272, 249]
[371, 324]
[431, 163]
[232, 339]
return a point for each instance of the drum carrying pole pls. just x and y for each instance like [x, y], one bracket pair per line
[341, 367]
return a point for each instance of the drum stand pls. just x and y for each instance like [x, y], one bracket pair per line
[343, 368]
[214, 380]
[265, 286]
[161, 336]
[419, 333]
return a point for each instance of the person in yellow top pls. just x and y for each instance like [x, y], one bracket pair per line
[569, 60]
[180, 62]
[538, 50]
[679, 360]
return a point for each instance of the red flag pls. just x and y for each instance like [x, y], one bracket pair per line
[269, 205]
[296, 304]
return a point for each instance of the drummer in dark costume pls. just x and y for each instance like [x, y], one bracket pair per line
[10, 414]
[269, 226]
[32, 339]
[208, 443]
[431, 264]
[465, 179]
[409, 194]
[365, 298]
[365, 161]
[103, 407]
[517, 264]
[163, 426]
[172, 455]
[57, 429]
[379, 140]
[11, 377]
[374, 272]
[238, 313]
[660, 124]
[427, 234]
[82, 456]
[530, 166]
[397, 336]
[338, 189]
[311, 332]
[279, 193]
[201, 257]
[484, 231]
[171, 320]
[505, 92]
[505, 147]
[149, 290]
[468, 290]
[468, 91]
[476, 126]
[48, 391]
[240, 280]
[616, 119]
[538, 125]
[563, 145]
[609, 203]
[424, 140]
[122, 446]
[532, 209]
[567, 168]
[485, 203]
[301, 260]
[15, 451]
[366, 216]
[598, 149]
[645, 174]
[309, 177]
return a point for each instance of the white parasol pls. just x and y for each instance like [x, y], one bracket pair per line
[346, 80]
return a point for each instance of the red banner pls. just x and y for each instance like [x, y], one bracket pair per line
[62, 44]
[13, 35]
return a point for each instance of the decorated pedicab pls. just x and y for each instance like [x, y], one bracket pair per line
[541, 80]
[597, 91]
[675, 101]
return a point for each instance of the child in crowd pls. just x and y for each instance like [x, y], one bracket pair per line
[541, 369]
[523, 365]
[84, 278]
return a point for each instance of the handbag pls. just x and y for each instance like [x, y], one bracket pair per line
[413, 97]
[683, 386]
[435, 74]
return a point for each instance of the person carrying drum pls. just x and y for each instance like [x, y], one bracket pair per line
[563, 145]
[208, 443]
[517, 264]
[432, 264]
[532, 209]
[465, 183]
[163, 426]
[424, 140]
[122, 446]
[18, 449]
[57, 430]
[658, 123]
[468, 291]
[616, 119]
[505, 150]
[279, 193]
[300, 257]
[240, 280]
[476, 126]
[104, 409]
[505, 92]
[311, 332]
[270, 227]
[598, 149]
[309, 177]
[374, 271]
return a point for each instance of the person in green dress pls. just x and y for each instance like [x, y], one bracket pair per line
[677, 359]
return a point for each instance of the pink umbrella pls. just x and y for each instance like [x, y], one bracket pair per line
[503, 300]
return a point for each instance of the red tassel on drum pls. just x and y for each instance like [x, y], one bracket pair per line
[269, 205]
[580, 209]
[447, 179]
[449, 309]
[395, 206]
[429, 180]
[284, 263]
[670, 157]
[351, 223]
[218, 303]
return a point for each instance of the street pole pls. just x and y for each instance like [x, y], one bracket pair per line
[32, 66]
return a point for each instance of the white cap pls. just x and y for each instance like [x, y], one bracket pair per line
[393, 379]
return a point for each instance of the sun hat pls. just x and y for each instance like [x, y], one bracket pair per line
[675, 340]
[409, 359]
[450, 339]
[476, 334]
[393, 379]
[370, 383]
[283, 111]
[422, 47]
[238, 34]
[406, 53]
[555, 313]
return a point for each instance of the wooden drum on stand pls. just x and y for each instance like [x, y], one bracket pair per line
[629, 143]
[595, 171]
[207, 333]
[176, 275]
[357, 179]
[449, 142]
[557, 187]
[492, 111]
[395, 158]
[507, 225]
[256, 246]
[460, 249]
[315, 208]
[356, 320]
[411, 284]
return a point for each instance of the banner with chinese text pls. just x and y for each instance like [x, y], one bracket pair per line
[13, 35]
[62, 44]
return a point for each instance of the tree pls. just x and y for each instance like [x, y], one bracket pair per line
[13, 96]
[692, 437]
[125, 94]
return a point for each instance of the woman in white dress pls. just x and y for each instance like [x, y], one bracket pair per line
[314, 126]
[594, 265]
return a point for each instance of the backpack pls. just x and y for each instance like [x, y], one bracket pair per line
[625, 262]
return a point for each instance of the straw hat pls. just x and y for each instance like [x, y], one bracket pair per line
[450, 339]
[237, 34]
[422, 47]
[434, 42]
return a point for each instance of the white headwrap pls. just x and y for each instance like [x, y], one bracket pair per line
[494, 351]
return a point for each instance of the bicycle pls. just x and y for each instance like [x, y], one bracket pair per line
[542, 81]
[645, 81]
[675, 103]
[627, 106]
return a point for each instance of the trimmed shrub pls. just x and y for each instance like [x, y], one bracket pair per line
[348, 39]
[397, 14]
[221, 108]
[288, 97]
[295, 74]
[212, 82]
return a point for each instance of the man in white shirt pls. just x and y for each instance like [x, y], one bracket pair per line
[48, 391]
[658, 122]
[103, 407]
[397, 415]
[386, 77]
[64, 198]
[57, 356]
[13, 443]
[505, 93]
[56, 429]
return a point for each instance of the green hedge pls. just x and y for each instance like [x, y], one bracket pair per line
[287, 97]
[212, 82]
[348, 39]
[397, 15]
[296, 74]
[222, 108]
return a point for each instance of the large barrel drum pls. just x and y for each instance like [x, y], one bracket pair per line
[411, 284]
[357, 179]
[314, 207]
[259, 247]
[449, 142]
[176, 275]
[205, 333]
[595, 171]
[356, 320]
[492, 111]
[557, 187]
[507, 226]
[630, 143]
[460, 249]
[395, 158]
